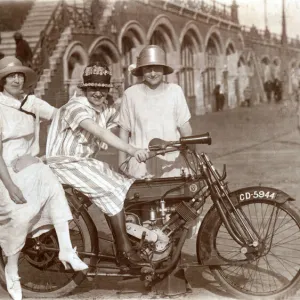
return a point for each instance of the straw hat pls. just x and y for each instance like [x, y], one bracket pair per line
[96, 75]
[10, 64]
[151, 55]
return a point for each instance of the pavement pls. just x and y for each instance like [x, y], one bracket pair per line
[243, 127]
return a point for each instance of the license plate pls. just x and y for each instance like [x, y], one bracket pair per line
[259, 194]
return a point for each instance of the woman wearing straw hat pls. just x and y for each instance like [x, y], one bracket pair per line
[154, 109]
[32, 199]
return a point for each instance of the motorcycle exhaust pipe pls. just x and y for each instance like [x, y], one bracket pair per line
[196, 139]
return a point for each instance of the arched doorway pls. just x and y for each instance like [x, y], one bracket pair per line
[104, 51]
[130, 41]
[229, 75]
[127, 60]
[191, 58]
[158, 38]
[75, 59]
[162, 33]
[209, 75]
[187, 75]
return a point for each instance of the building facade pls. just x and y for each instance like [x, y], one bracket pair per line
[203, 40]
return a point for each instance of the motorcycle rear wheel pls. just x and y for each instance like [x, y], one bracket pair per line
[274, 273]
[42, 274]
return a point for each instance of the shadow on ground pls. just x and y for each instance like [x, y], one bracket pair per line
[198, 278]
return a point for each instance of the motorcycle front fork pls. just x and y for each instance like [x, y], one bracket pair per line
[235, 220]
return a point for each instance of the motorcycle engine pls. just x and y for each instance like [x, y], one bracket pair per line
[156, 243]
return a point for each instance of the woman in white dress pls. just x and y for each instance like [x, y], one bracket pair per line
[32, 200]
[154, 109]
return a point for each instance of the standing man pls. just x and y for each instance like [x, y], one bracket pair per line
[23, 51]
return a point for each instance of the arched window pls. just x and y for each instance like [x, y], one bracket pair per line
[209, 74]
[76, 68]
[127, 58]
[187, 71]
[158, 39]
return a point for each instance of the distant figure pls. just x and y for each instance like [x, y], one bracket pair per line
[219, 97]
[277, 88]
[248, 95]
[268, 90]
[1, 54]
[23, 51]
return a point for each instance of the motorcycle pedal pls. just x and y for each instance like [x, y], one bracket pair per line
[147, 270]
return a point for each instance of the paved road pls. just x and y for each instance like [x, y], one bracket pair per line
[259, 146]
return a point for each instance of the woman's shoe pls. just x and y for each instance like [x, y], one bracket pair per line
[13, 286]
[70, 260]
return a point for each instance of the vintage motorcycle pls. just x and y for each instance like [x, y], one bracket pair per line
[249, 238]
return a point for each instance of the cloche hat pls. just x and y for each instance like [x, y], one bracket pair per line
[151, 55]
[10, 64]
[96, 75]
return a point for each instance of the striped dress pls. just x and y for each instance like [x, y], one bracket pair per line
[71, 152]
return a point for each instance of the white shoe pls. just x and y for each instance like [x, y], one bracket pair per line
[70, 260]
[13, 286]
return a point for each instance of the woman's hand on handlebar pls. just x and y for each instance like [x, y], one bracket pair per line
[141, 155]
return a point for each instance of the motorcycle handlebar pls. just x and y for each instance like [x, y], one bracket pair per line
[196, 139]
[160, 147]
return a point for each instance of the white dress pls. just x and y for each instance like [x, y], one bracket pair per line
[46, 203]
[148, 114]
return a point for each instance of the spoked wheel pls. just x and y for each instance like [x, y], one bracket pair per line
[272, 269]
[42, 274]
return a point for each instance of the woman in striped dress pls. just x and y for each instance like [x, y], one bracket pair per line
[77, 133]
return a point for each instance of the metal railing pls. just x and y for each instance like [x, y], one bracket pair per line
[214, 8]
[273, 38]
[63, 16]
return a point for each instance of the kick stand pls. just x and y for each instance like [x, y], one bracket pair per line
[174, 284]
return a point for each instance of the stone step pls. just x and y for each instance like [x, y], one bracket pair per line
[7, 34]
[7, 44]
[30, 39]
[34, 26]
[42, 6]
[38, 15]
[11, 43]
[5, 48]
[31, 31]
[35, 20]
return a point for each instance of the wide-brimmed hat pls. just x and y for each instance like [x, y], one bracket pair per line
[151, 55]
[96, 75]
[10, 64]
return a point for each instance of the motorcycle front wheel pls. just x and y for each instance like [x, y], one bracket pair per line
[271, 272]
